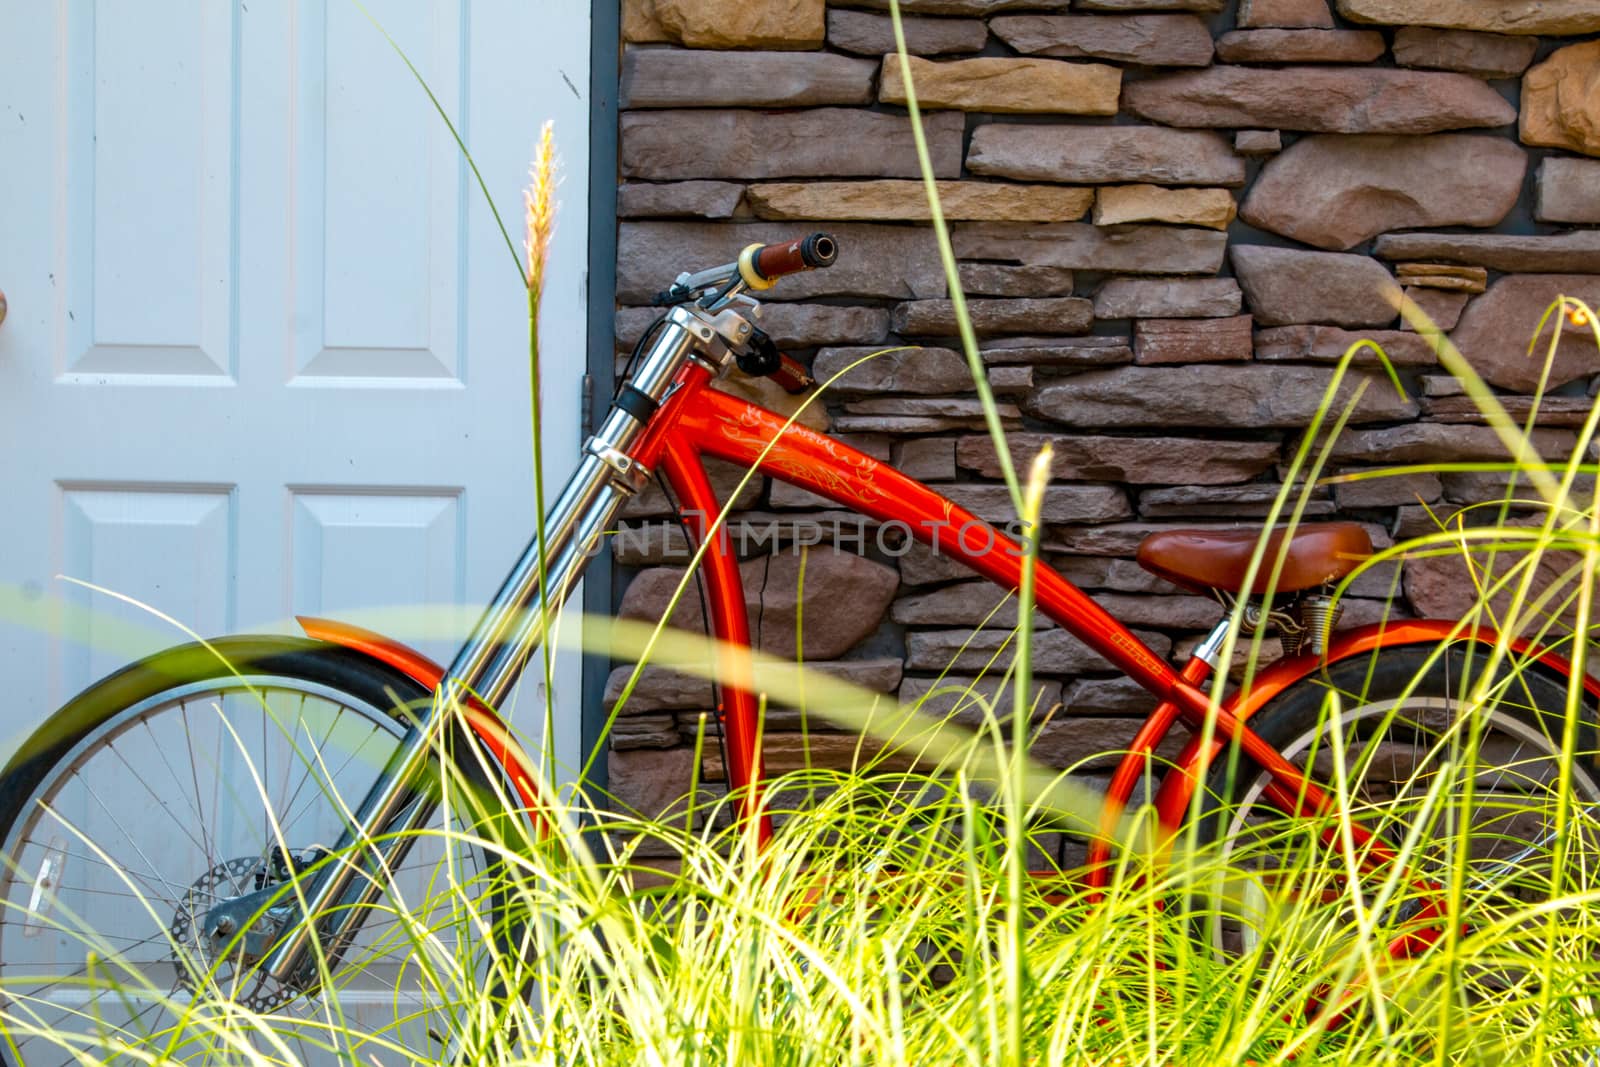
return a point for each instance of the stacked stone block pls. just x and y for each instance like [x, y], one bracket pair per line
[1172, 217]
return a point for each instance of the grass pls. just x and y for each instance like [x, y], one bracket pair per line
[898, 918]
[919, 918]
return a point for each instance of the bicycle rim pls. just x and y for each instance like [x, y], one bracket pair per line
[1469, 789]
[164, 808]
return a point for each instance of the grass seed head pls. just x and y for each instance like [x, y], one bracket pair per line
[539, 200]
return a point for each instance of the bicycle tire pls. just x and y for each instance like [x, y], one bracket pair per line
[82, 874]
[1408, 705]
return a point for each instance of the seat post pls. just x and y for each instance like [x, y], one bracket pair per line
[1209, 650]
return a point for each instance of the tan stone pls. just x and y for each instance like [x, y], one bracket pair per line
[1445, 282]
[654, 782]
[998, 84]
[1212, 208]
[640, 24]
[1557, 18]
[741, 24]
[1561, 100]
[1442, 270]
[1443, 276]
[908, 200]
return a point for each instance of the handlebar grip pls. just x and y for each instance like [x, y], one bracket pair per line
[761, 265]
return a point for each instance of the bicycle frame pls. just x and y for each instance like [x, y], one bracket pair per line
[669, 419]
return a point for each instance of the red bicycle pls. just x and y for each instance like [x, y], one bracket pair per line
[160, 818]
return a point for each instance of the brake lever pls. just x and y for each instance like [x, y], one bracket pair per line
[672, 297]
[760, 357]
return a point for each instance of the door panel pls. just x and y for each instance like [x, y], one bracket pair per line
[168, 547]
[342, 543]
[401, 321]
[149, 149]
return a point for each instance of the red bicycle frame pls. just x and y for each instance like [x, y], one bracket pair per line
[698, 421]
[665, 418]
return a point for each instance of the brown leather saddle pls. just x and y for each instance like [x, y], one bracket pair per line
[1217, 559]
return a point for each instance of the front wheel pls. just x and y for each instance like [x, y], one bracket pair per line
[1481, 780]
[195, 776]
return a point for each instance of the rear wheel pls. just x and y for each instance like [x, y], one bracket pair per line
[197, 776]
[1469, 770]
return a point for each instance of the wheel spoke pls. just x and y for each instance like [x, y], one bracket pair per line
[144, 783]
[194, 774]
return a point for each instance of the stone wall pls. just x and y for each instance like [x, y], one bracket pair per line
[1172, 217]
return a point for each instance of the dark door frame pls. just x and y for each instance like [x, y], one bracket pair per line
[605, 44]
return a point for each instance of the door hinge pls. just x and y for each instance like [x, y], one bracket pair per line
[586, 423]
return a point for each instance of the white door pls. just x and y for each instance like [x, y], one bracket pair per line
[266, 347]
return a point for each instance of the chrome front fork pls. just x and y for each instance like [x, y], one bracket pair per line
[514, 624]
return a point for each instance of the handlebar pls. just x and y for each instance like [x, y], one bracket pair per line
[761, 265]
[758, 267]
